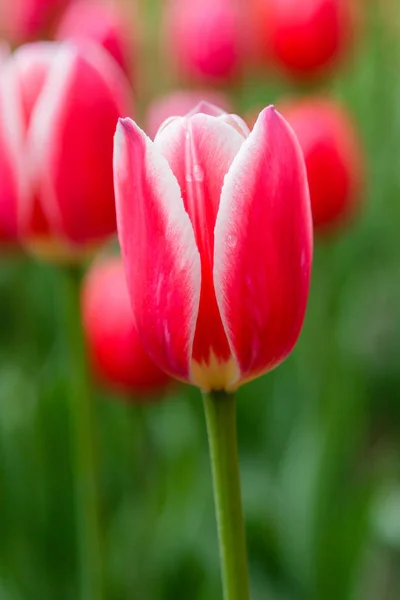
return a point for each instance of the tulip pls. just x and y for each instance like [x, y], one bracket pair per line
[9, 185]
[60, 109]
[205, 37]
[114, 346]
[25, 20]
[333, 158]
[307, 37]
[101, 22]
[8, 175]
[215, 228]
[178, 104]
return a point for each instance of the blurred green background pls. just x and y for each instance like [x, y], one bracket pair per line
[319, 438]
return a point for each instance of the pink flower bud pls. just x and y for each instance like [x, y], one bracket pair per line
[102, 22]
[215, 229]
[333, 158]
[178, 104]
[304, 37]
[117, 355]
[60, 107]
[26, 20]
[205, 37]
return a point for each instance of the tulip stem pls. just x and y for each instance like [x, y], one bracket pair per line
[220, 410]
[83, 444]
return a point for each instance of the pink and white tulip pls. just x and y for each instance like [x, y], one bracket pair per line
[100, 21]
[59, 107]
[215, 228]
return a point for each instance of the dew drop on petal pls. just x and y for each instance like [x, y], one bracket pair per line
[231, 241]
[198, 173]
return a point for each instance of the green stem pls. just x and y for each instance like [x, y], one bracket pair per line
[220, 410]
[83, 443]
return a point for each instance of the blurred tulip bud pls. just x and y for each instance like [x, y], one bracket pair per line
[60, 106]
[304, 37]
[178, 104]
[25, 20]
[215, 228]
[117, 355]
[333, 158]
[205, 37]
[11, 177]
[102, 22]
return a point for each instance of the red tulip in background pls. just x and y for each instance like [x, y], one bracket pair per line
[304, 37]
[25, 20]
[333, 158]
[58, 112]
[102, 22]
[178, 104]
[205, 37]
[116, 352]
[215, 229]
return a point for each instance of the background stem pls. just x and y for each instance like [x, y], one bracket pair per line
[83, 444]
[220, 410]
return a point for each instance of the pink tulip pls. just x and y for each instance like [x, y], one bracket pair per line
[102, 22]
[9, 181]
[178, 104]
[24, 20]
[8, 175]
[215, 229]
[60, 107]
[205, 37]
[116, 353]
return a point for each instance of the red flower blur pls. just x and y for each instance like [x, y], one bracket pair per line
[304, 37]
[215, 229]
[117, 355]
[333, 158]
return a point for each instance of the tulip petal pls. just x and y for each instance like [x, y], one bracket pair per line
[14, 180]
[206, 108]
[200, 150]
[27, 73]
[263, 247]
[178, 104]
[71, 142]
[31, 66]
[161, 259]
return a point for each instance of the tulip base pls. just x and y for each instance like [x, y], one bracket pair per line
[83, 442]
[220, 411]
